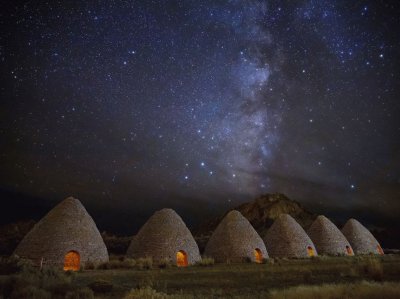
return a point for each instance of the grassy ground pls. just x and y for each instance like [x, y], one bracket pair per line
[358, 290]
[248, 279]
[308, 278]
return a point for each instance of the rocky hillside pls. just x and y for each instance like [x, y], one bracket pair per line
[261, 213]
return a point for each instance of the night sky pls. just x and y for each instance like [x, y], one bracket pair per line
[132, 106]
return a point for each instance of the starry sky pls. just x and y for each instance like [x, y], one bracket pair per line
[133, 106]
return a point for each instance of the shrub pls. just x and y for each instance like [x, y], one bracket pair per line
[165, 263]
[320, 258]
[24, 264]
[30, 292]
[109, 265]
[114, 264]
[6, 286]
[89, 265]
[146, 282]
[357, 259]
[70, 274]
[118, 264]
[101, 286]
[353, 272]
[13, 264]
[128, 263]
[206, 262]
[54, 280]
[307, 276]
[145, 293]
[16, 283]
[31, 282]
[84, 293]
[359, 290]
[269, 261]
[373, 269]
[8, 265]
[144, 263]
[103, 266]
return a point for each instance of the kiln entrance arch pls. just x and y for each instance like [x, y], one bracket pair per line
[310, 251]
[349, 250]
[258, 255]
[72, 261]
[181, 258]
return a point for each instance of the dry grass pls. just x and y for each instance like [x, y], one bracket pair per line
[361, 290]
[125, 263]
[13, 264]
[144, 263]
[373, 269]
[30, 282]
[145, 293]
[165, 263]
[84, 293]
[246, 280]
[251, 280]
[101, 286]
[206, 262]
[129, 263]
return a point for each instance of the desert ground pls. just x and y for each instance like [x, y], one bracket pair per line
[319, 277]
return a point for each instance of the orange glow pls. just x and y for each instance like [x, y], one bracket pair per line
[258, 255]
[349, 250]
[380, 250]
[72, 261]
[310, 251]
[181, 259]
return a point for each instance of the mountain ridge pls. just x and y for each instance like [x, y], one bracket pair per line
[261, 213]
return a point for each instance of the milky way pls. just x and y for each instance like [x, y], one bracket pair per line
[189, 103]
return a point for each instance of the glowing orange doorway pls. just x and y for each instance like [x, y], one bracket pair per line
[72, 261]
[380, 250]
[258, 255]
[181, 259]
[349, 250]
[310, 251]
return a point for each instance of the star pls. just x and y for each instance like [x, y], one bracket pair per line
[208, 100]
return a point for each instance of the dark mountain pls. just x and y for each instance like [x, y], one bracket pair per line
[261, 213]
